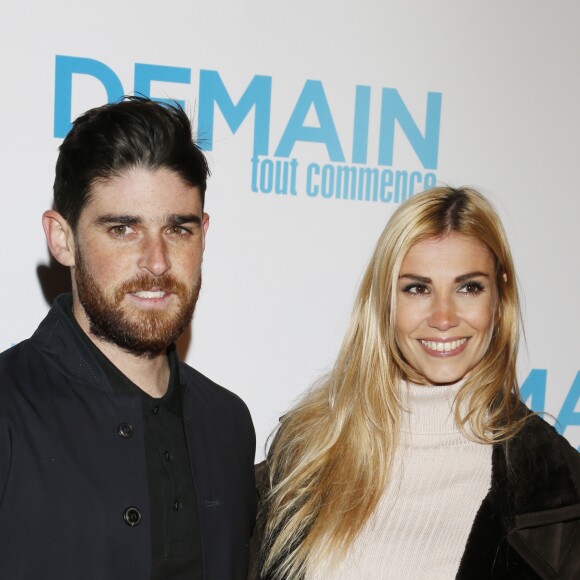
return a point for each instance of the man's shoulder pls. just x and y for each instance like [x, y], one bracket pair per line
[214, 409]
[17, 357]
[204, 389]
[22, 377]
[50, 340]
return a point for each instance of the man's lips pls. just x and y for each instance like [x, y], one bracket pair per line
[145, 290]
[444, 347]
[154, 298]
[150, 294]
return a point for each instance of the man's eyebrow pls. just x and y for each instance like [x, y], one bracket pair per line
[176, 219]
[131, 220]
[127, 220]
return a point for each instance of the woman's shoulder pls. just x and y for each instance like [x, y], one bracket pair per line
[543, 465]
[539, 437]
[536, 490]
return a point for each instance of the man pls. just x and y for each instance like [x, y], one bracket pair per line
[116, 459]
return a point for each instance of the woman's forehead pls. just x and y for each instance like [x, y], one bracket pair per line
[451, 252]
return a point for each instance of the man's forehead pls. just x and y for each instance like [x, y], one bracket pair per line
[145, 192]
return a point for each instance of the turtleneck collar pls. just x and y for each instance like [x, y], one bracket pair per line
[427, 417]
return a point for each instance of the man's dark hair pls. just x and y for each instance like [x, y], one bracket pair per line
[133, 132]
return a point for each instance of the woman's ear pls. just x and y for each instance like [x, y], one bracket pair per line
[59, 236]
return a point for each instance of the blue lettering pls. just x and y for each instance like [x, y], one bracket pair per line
[65, 68]
[255, 162]
[266, 171]
[386, 181]
[312, 95]
[400, 186]
[568, 415]
[257, 95]
[429, 181]
[312, 190]
[534, 390]
[414, 178]
[393, 109]
[346, 178]
[145, 73]
[274, 173]
[368, 183]
[327, 181]
[360, 138]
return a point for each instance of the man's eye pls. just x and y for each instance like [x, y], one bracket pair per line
[121, 230]
[416, 289]
[179, 231]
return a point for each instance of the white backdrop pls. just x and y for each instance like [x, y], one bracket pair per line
[481, 94]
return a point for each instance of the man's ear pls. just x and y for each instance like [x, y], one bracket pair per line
[204, 225]
[59, 236]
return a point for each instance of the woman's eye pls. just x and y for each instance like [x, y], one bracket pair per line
[472, 288]
[416, 289]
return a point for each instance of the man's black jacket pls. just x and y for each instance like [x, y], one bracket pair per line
[69, 472]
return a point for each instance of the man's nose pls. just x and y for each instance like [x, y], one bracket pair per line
[155, 256]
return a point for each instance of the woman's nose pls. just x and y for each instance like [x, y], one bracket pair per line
[443, 315]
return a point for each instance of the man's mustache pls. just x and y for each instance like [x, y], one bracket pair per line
[146, 282]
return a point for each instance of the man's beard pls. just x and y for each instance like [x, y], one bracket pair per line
[145, 332]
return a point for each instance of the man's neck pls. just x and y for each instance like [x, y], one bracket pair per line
[149, 374]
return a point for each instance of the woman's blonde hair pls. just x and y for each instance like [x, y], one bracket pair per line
[331, 457]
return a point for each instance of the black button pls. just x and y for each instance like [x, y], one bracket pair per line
[155, 410]
[176, 505]
[125, 430]
[167, 456]
[132, 516]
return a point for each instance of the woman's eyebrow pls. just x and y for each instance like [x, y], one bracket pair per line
[416, 277]
[462, 278]
[465, 277]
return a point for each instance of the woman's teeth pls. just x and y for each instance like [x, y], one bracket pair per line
[443, 346]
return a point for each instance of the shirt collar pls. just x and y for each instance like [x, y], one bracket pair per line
[123, 385]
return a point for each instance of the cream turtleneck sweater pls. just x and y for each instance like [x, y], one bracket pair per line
[421, 524]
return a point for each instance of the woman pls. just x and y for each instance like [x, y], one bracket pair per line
[414, 457]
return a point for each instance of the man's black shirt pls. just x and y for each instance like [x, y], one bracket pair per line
[175, 531]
